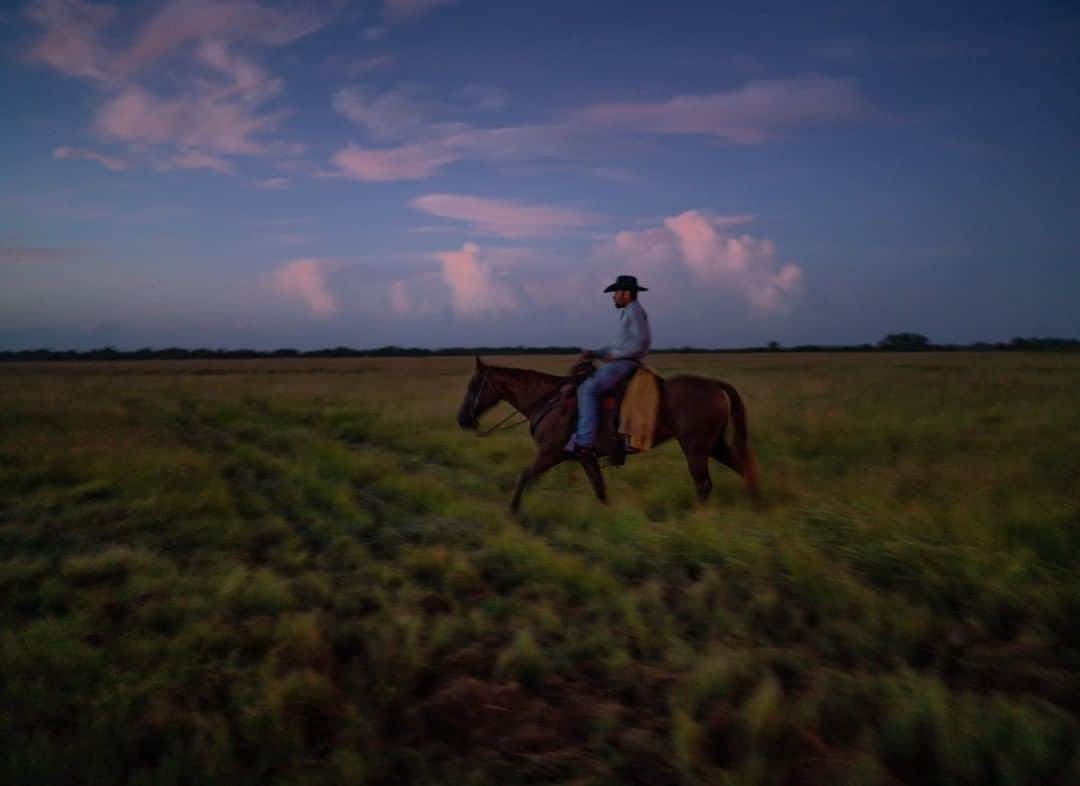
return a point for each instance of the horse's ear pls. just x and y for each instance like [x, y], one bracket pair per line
[479, 362]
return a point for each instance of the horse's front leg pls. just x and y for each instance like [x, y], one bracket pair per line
[545, 460]
[596, 477]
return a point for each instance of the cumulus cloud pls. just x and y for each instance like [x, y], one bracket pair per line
[115, 164]
[505, 218]
[400, 301]
[474, 287]
[715, 257]
[305, 280]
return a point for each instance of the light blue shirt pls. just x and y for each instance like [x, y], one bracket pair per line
[633, 340]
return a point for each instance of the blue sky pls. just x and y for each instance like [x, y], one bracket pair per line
[423, 172]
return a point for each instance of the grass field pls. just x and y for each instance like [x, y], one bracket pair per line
[304, 572]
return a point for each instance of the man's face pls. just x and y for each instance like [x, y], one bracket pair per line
[622, 298]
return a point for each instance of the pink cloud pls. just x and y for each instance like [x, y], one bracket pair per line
[394, 115]
[445, 143]
[305, 280]
[196, 159]
[115, 164]
[505, 218]
[474, 287]
[181, 22]
[223, 116]
[71, 36]
[273, 183]
[518, 142]
[750, 115]
[408, 162]
[227, 127]
[701, 244]
[218, 108]
[70, 40]
[400, 301]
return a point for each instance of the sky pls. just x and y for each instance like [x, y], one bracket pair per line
[249, 174]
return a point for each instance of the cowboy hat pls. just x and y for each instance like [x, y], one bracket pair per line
[626, 282]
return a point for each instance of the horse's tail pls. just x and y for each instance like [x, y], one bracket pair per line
[743, 456]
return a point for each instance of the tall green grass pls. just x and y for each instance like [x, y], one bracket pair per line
[303, 572]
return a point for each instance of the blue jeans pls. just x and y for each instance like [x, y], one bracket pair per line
[604, 380]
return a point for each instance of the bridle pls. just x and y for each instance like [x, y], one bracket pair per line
[485, 376]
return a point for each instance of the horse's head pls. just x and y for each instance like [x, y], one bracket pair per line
[481, 395]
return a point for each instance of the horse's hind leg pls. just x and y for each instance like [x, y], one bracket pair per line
[541, 464]
[699, 471]
[722, 452]
[697, 461]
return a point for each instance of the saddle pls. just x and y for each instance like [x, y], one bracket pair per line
[610, 408]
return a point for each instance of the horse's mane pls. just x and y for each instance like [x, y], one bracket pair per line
[532, 375]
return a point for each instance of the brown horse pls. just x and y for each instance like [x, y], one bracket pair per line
[693, 410]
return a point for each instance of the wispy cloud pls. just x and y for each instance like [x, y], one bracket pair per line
[115, 164]
[758, 112]
[486, 98]
[390, 116]
[505, 218]
[408, 162]
[222, 115]
[219, 105]
[714, 256]
[402, 10]
[273, 183]
[181, 22]
[355, 67]
[70, 40]
[197, 159]
[305, 280]
[750, 115]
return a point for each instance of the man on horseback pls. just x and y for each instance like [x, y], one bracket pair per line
[618, 361]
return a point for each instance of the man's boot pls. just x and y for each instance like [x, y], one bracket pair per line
[616, 443]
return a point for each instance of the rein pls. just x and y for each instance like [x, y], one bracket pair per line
[499, 426]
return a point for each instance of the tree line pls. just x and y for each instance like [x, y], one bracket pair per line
[894, 342]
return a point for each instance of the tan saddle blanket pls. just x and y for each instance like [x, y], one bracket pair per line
[639, 410]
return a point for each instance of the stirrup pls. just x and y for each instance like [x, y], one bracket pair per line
[585, 451]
